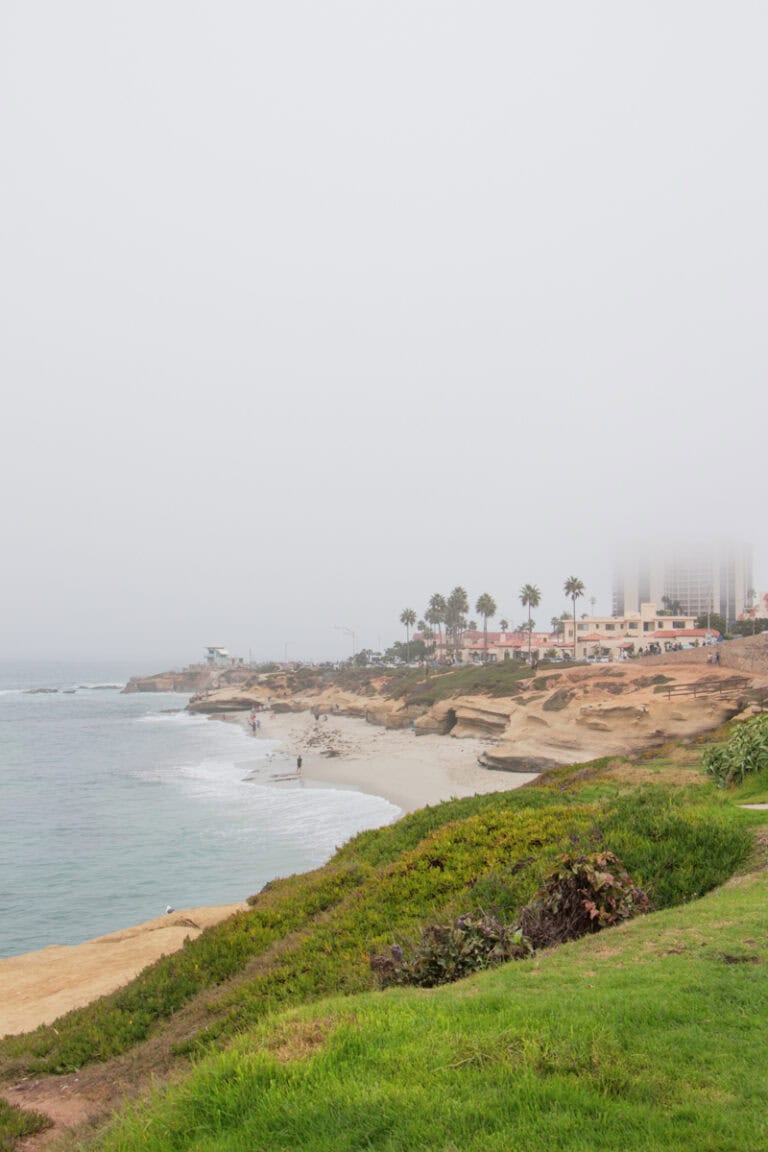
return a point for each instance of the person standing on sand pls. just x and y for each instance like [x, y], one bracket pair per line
[298, 764]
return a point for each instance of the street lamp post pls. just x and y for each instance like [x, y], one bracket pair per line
[349, 632]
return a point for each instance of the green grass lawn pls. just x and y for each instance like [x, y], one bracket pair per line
[649, 1037]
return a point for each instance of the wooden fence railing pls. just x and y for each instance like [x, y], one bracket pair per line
[706, 687]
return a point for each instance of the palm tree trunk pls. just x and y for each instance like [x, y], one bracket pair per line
[529, 632]
[574, 626]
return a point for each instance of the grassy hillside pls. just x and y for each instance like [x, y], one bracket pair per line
[650, 1037]
[310, 937]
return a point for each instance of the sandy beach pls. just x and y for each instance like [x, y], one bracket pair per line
[410, 771]
[38, 987]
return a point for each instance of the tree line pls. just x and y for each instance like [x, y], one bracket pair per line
[447, 617]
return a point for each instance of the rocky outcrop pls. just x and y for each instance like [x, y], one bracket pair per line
[469, 716]
[502, 761]
[231, 702]
[592, 712]
[197, 678]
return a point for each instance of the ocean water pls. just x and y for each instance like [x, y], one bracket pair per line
[114, 806]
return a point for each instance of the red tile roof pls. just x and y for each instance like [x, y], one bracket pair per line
[676, 633]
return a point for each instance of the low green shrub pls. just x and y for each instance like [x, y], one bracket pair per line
[15, 1123]
[415, 687]
[745, 753]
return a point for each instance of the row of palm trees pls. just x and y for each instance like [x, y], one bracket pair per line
[448, 614]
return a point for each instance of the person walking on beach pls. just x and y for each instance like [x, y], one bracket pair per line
[298, 765]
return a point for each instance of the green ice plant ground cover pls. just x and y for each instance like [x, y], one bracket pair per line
[311, 936]
[648, 1038]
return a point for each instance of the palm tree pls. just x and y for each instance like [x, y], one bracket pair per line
[530, 597]
[427, 634]
[435, 615]
[455, 616]
[503, 624]
[574, 588]
[485, 607]
[408, 617]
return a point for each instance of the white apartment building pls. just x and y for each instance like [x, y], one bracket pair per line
[633, 632]
[701, 577]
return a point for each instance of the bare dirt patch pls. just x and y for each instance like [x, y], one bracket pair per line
[629, 773]
[299, 1039]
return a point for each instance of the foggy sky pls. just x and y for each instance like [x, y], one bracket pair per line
[311, 309]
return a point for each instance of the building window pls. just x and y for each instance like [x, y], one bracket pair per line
[678, 623]
[632, 624]
[610, 627]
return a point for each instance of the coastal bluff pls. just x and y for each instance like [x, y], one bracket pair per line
[528, 722]
[196, 678]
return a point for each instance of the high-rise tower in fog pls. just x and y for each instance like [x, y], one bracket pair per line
[712, 576]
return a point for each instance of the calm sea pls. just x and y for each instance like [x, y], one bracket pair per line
[113, 807]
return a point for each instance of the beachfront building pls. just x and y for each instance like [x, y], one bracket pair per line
[217, 657]
[616, 637]
[712, 576]
[500, 646]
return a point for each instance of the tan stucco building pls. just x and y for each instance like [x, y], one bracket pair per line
[618, 636]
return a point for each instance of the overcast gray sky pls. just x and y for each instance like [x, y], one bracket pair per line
[311, 309]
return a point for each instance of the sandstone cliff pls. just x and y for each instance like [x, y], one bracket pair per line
[556, 718]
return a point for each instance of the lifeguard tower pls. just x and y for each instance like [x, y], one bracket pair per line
[217, 657]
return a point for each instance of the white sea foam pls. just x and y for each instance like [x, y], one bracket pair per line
[106, 686]
[180, 717]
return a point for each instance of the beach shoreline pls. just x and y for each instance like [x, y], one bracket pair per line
[38, 987]
[409, 770]
[337, 752]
